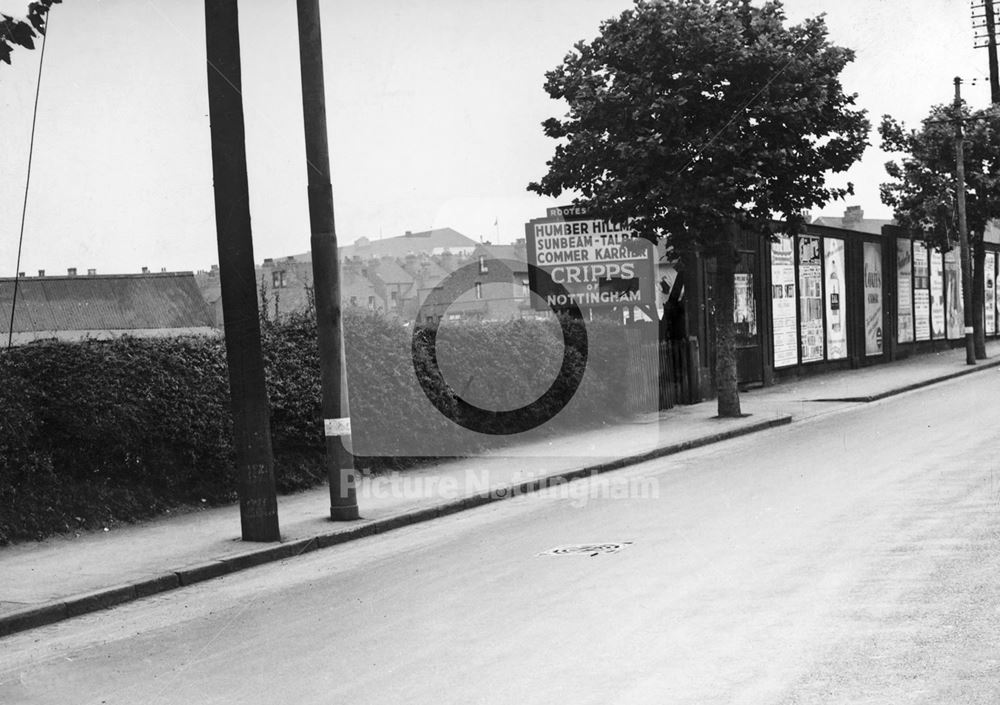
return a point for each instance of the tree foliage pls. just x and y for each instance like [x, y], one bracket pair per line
[692, 118]
[15, 32]
[922, 193]
[687, 115]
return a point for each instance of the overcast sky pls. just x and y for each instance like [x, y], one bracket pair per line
[434, 111]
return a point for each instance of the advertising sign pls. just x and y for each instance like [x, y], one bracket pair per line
[937, 295]
[873, 298]
[990, 321]
[783, 302]
[810, 299]
[836, 330]
[593, 264]
[955, 323]
[904, 291]
[921, 293]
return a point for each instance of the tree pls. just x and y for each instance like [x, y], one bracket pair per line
[695, 118]
[923, 195]
[23, 32]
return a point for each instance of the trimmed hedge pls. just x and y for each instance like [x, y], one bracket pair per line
[105, 431]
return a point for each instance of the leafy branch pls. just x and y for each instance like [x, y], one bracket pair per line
[23, 33]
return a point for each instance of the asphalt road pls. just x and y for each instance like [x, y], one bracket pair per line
[853, 558]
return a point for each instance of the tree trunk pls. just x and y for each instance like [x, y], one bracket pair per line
[725, 332]
[978, 297]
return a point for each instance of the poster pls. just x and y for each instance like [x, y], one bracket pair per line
[921, 293]
[937, 295]
[955, 310]
[744, 306]
[783, 302]
[836, 329]
[810, 299]
[904, 291]
[990, 321]
[873, 298]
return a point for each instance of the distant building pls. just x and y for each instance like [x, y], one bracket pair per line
[430, 242]
[103, 306]
[394, 276]
[854, 219]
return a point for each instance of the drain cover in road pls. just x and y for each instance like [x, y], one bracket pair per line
[586, 549]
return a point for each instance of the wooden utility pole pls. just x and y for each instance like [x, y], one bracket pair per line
[326, 272]
[963, 230]
[989, 41]
[251, 423]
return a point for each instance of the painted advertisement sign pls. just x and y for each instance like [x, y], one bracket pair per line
[783, 302]
[921, 293]
[937, 295]
[904, 291]
[873, 298]
[590, 263]
[990, 321]
[954, 308]
[810, 299]
[836, 328]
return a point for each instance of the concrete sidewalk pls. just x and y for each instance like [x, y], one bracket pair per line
[65, 576]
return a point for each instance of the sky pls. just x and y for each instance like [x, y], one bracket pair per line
[434, 112]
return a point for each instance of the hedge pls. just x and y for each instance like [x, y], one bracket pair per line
[106, 431]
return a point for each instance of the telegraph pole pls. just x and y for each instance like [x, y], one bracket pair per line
[251, 425]
[326, 272]
[963, 230]
[990, 43]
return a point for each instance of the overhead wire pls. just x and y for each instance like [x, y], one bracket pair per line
[27, 182]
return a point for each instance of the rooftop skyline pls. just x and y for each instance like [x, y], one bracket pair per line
[434, 115]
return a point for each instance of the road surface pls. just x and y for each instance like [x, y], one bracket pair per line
[852, 558]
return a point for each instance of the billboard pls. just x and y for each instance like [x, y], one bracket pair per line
[590, 263]
[921, 292]
[990, 297]
[955, 311]
[873, 298]
[810, 299]
[783, 297]
[836, 328]
[937, 295]
[904, 291]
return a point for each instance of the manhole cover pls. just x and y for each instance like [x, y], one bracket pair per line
[586, 549]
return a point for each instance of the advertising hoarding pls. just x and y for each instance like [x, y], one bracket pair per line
[836, 328]
[921, 292]
[810, 299]
[904, 291]
[783, 302]
[873, 298]
[989, 282]
[955, 309]
[937, 294]
[591, 263]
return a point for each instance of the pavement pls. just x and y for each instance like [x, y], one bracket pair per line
[66, 576]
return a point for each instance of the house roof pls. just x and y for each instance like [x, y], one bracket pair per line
[430, 241]
[854, 219]
[104, 302]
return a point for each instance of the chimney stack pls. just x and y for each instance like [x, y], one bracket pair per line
[71, 271]
[145, 270]
[853, 214]
[41, 272]
[91, 272]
